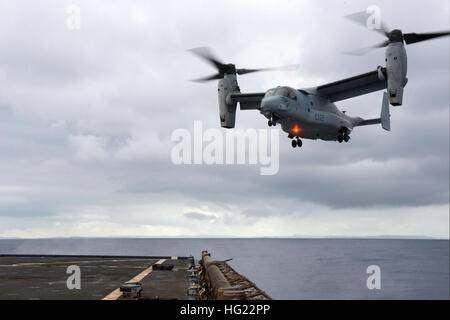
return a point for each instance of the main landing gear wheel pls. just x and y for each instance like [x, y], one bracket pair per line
[340, 138]
[269, 123]
[296, 143]
[346, 137]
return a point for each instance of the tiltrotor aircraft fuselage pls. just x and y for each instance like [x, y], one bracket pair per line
[310, 113]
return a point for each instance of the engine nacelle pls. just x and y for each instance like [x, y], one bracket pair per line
[396, 68]
[227, 109]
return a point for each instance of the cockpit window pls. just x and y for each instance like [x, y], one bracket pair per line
[270, 92]
[282, 91]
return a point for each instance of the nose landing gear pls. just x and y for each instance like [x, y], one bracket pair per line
[272, 122]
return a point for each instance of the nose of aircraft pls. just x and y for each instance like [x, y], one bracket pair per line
[274, 103]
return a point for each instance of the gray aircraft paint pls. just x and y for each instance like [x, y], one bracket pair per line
[312, 112]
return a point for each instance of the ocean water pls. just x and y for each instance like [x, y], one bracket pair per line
[292, 268]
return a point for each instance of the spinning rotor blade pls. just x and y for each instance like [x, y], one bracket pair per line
[281, 68]
[206, 54]
[418, 37]
[362, 18]
[210, 78]
[223, 69]
[363, 51]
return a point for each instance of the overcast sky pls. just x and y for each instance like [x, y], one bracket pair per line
[86, 118]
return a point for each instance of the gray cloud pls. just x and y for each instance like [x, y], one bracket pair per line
[86, 117]
[198, 216]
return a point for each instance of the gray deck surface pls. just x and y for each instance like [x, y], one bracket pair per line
[44, 277]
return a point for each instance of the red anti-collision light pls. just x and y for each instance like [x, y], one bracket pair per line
[296, 129]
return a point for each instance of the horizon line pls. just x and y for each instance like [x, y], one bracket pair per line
[377, 237]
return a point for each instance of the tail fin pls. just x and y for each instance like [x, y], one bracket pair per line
[385, 115]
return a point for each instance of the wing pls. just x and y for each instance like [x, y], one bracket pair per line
[354, 86]
[248, 101]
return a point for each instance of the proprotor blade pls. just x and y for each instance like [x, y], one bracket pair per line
[206, 54]
[363, 51]
[418, 37]
[281, 68]
[224, 69]
[361, 19]
[216, 76]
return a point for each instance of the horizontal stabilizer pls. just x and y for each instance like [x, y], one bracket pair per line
[369, 122]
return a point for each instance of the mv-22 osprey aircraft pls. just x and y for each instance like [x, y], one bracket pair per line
[310, 113]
